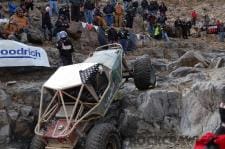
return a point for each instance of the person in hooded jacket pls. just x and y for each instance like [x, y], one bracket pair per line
[65, 47]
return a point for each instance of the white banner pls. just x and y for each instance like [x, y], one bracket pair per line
[14, 53]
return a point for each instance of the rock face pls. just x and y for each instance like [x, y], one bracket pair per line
[200, 106]
[151, 111]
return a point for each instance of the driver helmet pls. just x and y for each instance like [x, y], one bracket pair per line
[62, 35]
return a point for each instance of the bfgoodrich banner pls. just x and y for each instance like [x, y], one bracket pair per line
[14, 53]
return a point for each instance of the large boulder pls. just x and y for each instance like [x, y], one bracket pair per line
[199, 107]
[183, 71]
[189, 59]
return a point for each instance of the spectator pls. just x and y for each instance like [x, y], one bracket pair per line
[75, 10]
[29, 4]
[10, 31]
[65, 47]
[46, 24]
[221, 31]
[53, 7]
[101, 36]
[126, 4]
[194, 17]
[155, 7]
[162, 9]
[88, 11]
[65, 11]
[151, 24]
[189, 26]
[1, 11]
[184, 30]
[162, 19]
[11, 7]
[123, 35]
[20, 20]
[118, 15]
[164, 34]
[98, 18]
[61, 25]
[206, 21]
[108, 10]
[130, 16]
[112, 35]
[144, 4]
[151, 8]
[178, 27]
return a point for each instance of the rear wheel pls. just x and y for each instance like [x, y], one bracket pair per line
[103, 136]
[144, 73]
[37, 143]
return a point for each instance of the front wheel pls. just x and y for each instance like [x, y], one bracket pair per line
[144, 73]
[103, 136]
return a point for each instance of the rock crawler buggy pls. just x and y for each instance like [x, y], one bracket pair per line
[80, 98]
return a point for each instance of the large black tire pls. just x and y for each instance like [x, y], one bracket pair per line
[144, 73]
[37, 143]
[103, 136]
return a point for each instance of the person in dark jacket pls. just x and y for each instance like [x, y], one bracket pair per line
[108, 10]
[155, 7]
[46, 23]
[184, 30]
[130, 16]
[123, 35]
[75, 10]
[61, 25]
[29, 4]
[144, 4]
[189, 26]
[65, 47]
[162, 9]
[112, 35]
[65, 11]
[178, 27]
[162, 20]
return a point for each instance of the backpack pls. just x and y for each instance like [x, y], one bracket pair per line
[118, 9]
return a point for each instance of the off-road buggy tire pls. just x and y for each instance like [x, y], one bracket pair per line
[103, 135]
[37, 143]
[144, 73]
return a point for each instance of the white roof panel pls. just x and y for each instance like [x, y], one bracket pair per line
[67, 76]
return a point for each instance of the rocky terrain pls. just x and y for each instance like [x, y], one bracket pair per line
[184, 105]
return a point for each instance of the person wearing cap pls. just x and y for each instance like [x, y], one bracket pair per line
[46, 23]
[65, 47]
